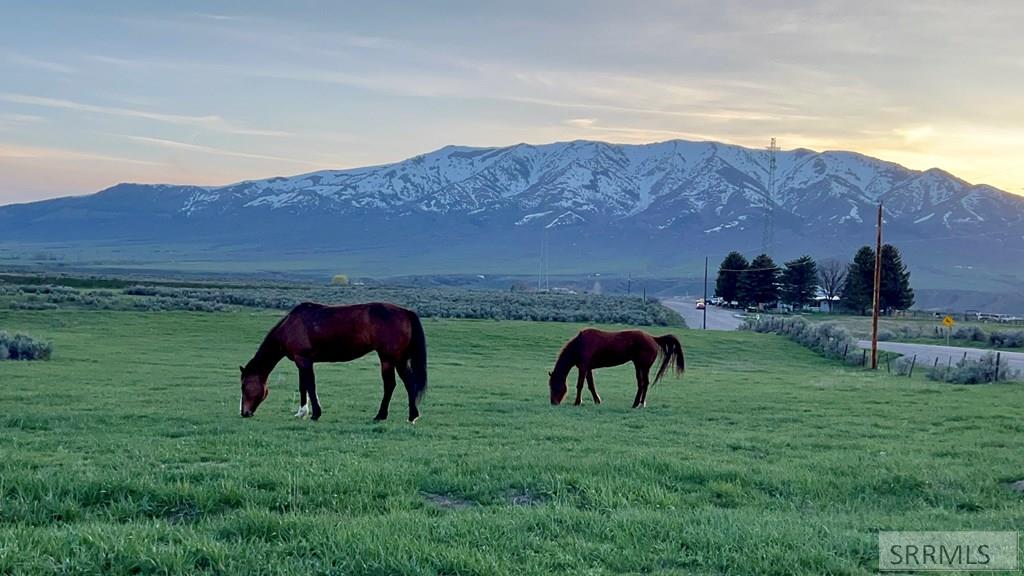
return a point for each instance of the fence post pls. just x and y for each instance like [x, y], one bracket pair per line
[998, 355]
[845, 351]
[888, 370]
[864, 359]
[948, 366]
[912, 364]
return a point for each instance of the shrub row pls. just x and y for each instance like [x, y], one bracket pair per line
[996, 338]
[23, 347]
[988, 368]
[427, 302]
[828, 339]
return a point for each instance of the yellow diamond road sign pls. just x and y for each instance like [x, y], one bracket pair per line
[947, 321]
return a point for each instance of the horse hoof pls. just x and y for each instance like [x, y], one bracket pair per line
[379, 418]
[413, 420]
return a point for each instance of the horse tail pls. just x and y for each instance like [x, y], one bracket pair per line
[418, 357]
[670, 349]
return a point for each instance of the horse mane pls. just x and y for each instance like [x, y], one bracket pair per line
[567, 355]
[269, 353]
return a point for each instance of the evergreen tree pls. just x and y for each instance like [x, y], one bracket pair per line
[800, 282]
[896, 293]
[727, 285]
[860, 280]
[760, 285]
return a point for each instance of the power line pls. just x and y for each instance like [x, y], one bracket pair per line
[751, 269]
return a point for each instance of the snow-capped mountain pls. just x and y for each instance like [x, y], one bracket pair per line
[570, 183]
[466, 207]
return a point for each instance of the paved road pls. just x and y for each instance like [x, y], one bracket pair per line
[718, 318]
[927, 353]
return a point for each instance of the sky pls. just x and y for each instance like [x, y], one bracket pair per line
[210, 93]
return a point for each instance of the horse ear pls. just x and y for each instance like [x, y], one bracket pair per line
[241, 369]
[551, 373]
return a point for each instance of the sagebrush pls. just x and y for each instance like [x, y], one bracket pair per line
[427, 302]
[988, 368]
[23, 347]
[826, 338]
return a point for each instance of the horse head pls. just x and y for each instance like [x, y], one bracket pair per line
[558, 388]
[254, 391]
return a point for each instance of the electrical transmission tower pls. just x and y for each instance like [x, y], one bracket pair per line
[768, 236]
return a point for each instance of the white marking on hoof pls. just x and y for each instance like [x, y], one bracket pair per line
[303, 410]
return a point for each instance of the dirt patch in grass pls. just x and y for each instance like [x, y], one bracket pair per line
[1017, 486]
[182, 513]
[523, 498]
[447, 501]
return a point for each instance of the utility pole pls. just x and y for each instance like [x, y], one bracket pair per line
[705, 293]
[876, 301]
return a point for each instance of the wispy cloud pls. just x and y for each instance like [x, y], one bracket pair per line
[581, 122]
[16, 151]
[591, 128]
[211, 122]
[10, 118]
[220, 17]
[30, 62]
[176, 145]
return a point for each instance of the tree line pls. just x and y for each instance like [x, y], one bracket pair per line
[797, 283]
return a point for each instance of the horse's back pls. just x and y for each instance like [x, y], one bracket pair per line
[602, 348]
[341, 333]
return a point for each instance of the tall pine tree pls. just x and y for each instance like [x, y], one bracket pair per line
[727, 285]
[896, 293]
[858, 291]
[800, 282]
[760, 284]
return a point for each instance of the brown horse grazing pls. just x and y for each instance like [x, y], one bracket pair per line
[592, 349]
[317, 333]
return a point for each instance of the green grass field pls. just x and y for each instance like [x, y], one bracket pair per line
[125, 455]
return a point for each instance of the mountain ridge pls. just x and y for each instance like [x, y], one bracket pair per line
[609, 205]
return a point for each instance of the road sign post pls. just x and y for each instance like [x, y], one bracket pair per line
[948, 323]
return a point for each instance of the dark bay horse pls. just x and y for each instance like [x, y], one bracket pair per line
[593, 348]
[313, 333]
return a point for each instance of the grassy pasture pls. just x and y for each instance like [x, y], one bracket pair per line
[124, 454]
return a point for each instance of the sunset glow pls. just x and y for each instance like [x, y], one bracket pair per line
[93, 96]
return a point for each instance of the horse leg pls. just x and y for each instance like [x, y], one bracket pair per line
[303, 408]
[579, 386]
[647, 383]
[308, 381]
[387, 374]
[639, 387]
[405, 373]
[590, 385]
